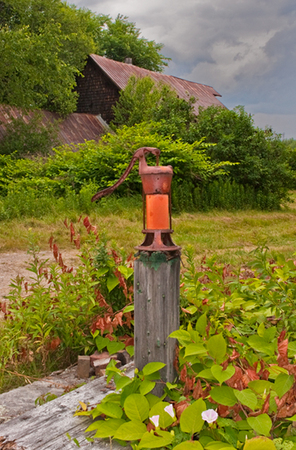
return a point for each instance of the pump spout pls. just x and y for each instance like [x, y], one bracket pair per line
[143, 167]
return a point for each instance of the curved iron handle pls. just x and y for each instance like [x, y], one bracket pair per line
[138, 155]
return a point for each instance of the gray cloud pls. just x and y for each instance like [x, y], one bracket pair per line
[244, 49]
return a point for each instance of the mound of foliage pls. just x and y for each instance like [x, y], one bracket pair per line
[236, 367]
[263, 162]
[29, 185]
[55, 39]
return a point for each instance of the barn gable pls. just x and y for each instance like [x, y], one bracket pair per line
[103, 78]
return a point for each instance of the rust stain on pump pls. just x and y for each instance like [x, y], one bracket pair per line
[156, 181]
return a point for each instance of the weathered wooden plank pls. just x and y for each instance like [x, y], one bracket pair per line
[156, 314]
[45, 427]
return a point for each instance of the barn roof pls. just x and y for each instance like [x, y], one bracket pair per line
[75, 129]
[119, 73]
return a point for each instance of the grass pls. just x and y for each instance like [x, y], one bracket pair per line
[230, 235]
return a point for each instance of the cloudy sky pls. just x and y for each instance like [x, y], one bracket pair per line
[245, 49]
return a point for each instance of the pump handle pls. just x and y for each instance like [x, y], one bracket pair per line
[138, 155]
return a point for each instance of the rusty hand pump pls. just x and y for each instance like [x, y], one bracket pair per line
[156, 182]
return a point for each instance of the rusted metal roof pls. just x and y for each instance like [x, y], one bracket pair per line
[119, 73]
[75, 129]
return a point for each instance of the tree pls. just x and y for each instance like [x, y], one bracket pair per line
[262, 156]
[120, 39]
[143, 100]
[44, 46]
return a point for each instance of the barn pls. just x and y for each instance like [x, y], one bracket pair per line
[104, 78]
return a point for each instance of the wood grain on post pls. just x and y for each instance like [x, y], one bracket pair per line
[156, 294]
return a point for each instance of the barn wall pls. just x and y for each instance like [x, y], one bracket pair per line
[97, 94]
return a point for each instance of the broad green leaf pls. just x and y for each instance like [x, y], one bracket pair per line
[126, 271]
[128, 308]
[188, 445]
[112, 282]
[101, 342]
[150, 440]
[114, 346]
[261, 386]
[105, 428]
[261, 345]
[247, 397]
[292, 349]
[201, 324]
[207, 374]
[152, 399]
[101, 271]
[112, 410]
[275, 370]
[181, 335]
[259, 443]
[283, 383]
[131, 350]
[261, 424]
[191, 420]
[224, 395]
[121, 381]
[217, 445]
[222, 375]
[195, 349]
[293, 418]
[216, 346]
[136, 407]
[165, 420]
[147, 386]
[152, 367]
[130, 431]
[191, 309]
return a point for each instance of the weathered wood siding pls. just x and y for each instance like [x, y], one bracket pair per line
[97, 94]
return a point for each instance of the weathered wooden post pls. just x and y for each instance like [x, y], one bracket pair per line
[157, 269]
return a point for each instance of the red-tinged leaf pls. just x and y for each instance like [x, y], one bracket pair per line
[77, 242]
[50, 242]
[236, 381]
[265, 406]
[197, 391]
[55, 251]
[223, 411]
[282, 357]
[54, 343]
[183, 373]
[65, 223]
[61, 262]
[80, 217]
[72, 231]
[252, 374]
[180, 407]
[117, 319]
[189, 384]
[86, 222]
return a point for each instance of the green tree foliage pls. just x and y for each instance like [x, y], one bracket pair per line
[27, 138]
[120, 39]
[143, 100]
[44, 46]
[262, 156]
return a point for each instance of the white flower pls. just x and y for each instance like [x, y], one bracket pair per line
[170, 410]
[209, 415]
[155, 420]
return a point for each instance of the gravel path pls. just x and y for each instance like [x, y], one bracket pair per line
[16, 264]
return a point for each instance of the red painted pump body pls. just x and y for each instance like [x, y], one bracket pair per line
[156, 181]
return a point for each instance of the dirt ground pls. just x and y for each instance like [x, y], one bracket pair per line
[16, 264]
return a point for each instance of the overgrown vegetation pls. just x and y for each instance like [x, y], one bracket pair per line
[54, 39]
[236, 366]
[236, 345]
[29, 138]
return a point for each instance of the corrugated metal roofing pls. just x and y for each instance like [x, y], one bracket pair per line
[120, 73]
[75, 129]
